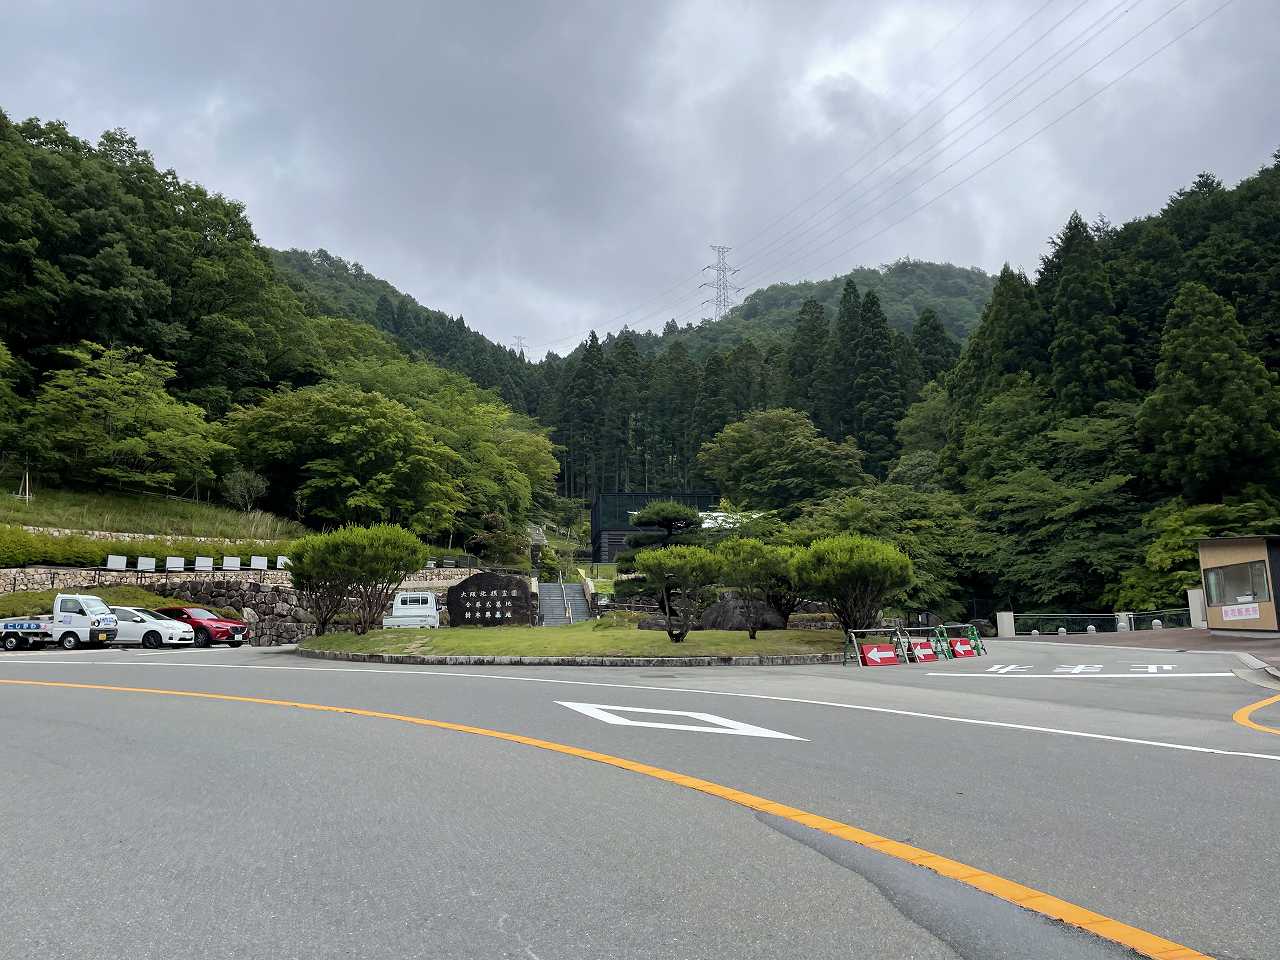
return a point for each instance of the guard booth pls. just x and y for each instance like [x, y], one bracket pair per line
[1238, 575]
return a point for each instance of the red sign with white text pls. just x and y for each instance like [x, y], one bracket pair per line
[877, 654]
[923, 652]
[961, 647]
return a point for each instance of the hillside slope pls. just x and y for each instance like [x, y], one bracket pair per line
[331, 286]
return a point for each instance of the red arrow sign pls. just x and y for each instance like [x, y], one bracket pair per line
[877, 654]
[923, 651]
[961, 648]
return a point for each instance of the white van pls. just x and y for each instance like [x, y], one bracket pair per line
[413, 609]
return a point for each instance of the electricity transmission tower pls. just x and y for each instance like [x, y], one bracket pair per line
[723, 287]
[519, 343]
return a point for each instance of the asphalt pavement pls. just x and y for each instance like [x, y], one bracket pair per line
[142, 824]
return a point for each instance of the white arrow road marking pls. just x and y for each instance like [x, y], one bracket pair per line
[609, 714]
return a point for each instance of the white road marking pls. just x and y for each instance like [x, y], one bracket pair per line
[1077, 676]
[711, 693]
[609, 714]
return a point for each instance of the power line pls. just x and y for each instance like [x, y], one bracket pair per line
[995, 106]
[1023, 142]
[924, 106]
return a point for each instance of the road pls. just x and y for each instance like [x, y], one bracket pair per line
[144, 824]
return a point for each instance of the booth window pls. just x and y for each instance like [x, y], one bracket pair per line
[1238, 583]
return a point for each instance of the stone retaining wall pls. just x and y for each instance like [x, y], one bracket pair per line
[271, 610]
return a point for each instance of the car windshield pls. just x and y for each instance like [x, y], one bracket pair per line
[154, 615]
[95, 607]
[199, 613]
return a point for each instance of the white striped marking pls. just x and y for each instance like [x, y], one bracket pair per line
[711, 693]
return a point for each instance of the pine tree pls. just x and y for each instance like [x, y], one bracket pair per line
[622, 432]
[744, 366]
[936, 351]
[586, 409]
[875, 391]
[673, 392]
[804, 359]
[910, 375]
[384, 314]
[1087, 353]
[1211, 424]
[714, 407]
[833, 397]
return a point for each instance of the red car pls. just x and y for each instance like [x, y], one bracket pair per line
[209, 627]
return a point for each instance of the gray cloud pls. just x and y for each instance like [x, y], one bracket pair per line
[542, 167]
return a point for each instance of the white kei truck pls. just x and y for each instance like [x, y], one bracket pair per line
[413, 609]
[78, 620]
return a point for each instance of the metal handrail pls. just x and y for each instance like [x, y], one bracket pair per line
[568, 610]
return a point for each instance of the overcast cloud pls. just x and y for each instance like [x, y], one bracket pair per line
[545, 167]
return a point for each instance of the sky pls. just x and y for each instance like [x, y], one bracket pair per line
[546, 168]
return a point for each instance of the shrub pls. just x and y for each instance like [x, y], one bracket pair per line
[361, 566]
[681, 576]
[22, 548]
[854, 575]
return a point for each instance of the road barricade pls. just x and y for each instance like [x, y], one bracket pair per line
[886, 647]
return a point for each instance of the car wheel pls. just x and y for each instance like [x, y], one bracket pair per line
[69, 641]
[13, 642]
[151, 640]
[202, 637]
[234, 643]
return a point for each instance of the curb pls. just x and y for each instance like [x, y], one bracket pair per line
[480, 661]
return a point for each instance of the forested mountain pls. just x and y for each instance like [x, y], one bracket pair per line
[906, 288]
[330, 286]
[147, 342]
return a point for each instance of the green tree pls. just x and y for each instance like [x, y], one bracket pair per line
[671, 516]
[776, 460]
[682, 577]
[243, 488]
[108, 419]
[1170, 565]
[1088, 351]
[834, 399]
[936, 351]
[10, 405]
[935, 529]
[349, 456]
[757, 571]
[1210, 426]
[805, 358]
[855, 576]
[365, 564]
[876, 394]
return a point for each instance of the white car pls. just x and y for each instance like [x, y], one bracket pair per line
[150, 629]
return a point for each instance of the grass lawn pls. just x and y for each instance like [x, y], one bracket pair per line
[129, 513]
[593, 639]
[41, 601]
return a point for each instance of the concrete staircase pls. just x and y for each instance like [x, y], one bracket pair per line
[552, 600]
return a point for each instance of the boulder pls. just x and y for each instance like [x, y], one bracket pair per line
[727, 615]
[249, 615]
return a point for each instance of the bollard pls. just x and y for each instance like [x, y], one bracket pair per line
[1091, 629]
[1062, 631]
[1157, 624]
[1035, 633]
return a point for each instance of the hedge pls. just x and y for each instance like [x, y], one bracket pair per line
[22, 548]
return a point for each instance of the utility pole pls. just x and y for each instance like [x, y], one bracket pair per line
[723, 287]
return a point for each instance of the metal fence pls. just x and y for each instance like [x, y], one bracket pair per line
[1048, 623]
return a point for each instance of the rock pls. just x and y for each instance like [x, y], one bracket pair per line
[281, 609]
[727, 615]
[249, 615]
[301, 615]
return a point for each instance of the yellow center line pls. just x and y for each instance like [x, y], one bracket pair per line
[1244, 716]
[1141, 942]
